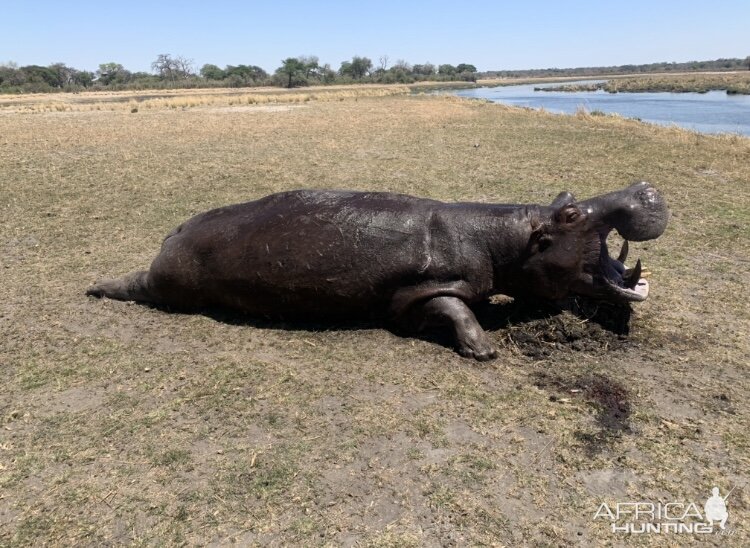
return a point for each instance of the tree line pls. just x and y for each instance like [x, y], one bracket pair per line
[178, 71]
[717, 65]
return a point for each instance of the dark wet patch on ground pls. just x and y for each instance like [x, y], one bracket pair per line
[609, 398]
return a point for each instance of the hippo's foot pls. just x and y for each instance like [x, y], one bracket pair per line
[132, 287]
[471, 339]
[479, 348]
[102, 288]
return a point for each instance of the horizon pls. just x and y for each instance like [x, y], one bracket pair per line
[491, 37]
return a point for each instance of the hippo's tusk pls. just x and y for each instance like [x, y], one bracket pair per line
[631, 278]
[623, 252]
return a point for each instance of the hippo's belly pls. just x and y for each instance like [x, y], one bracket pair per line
[299, 258]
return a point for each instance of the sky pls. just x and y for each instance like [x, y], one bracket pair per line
[492, 35]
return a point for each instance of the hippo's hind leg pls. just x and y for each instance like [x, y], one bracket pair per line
[471, 339]
[131, 287]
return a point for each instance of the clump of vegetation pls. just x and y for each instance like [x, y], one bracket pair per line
[735, 83]
[583, 112]
[572, 87]
[732, 83]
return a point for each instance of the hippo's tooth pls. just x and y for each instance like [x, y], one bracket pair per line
[631, 278]
[623, 252]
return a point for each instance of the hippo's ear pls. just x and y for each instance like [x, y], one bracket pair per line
[570, 215]
[562, 199]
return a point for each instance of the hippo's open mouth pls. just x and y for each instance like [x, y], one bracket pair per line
[638, 213]
[615, 281]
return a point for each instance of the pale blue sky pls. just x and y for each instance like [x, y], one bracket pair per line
[488, 34]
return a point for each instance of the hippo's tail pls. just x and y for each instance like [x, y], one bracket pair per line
[131, 287]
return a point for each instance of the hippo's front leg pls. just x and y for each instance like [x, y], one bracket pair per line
[472, 340]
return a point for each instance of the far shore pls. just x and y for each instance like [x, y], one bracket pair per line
[731, 82]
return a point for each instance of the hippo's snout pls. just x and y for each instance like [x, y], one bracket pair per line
[638, 212]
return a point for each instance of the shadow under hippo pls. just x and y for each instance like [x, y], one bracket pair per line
[321, 255]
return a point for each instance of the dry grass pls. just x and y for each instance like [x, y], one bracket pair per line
[124, 424]
[173, 99]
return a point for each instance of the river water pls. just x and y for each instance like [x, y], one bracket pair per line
[712, 112]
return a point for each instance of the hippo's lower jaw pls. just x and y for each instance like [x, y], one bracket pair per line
[614, 282]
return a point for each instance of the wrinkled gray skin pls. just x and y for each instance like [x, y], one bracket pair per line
[314, 254]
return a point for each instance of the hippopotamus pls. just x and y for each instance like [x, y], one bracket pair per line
[324, 254]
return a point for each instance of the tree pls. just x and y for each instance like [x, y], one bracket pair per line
[172, 68]
[447, 70]
[311, 65]
[10, 75]
[110, 73]
[244, 75]
[5, 73]
[83, 78]
[164, 66]
[212, 72]
[291, 68]
[184, 66]
[400, 72]
[383, 60]
[357, 68]
[428, 69]
[360, 66]
[464, 67]
[64, 74]
[402, 66]
[345, 69]
[41, 75]
[327, 74]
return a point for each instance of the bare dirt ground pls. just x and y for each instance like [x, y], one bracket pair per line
[123, 424]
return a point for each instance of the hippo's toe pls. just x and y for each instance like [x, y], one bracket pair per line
[480, 350]
[95, 291]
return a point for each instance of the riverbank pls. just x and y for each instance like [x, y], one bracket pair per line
[732, 83]
[124, 424]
